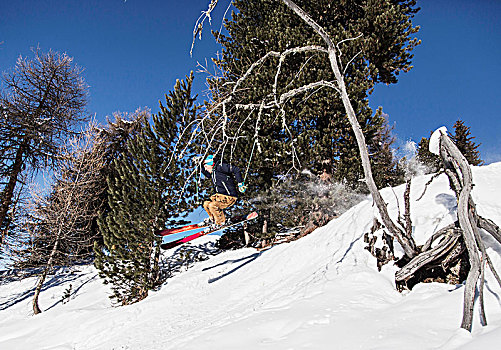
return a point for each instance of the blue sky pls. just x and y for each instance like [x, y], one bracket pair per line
[133, 51]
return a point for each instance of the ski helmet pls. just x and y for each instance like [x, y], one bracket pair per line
[209, 160]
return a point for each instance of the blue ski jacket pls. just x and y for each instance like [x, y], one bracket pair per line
[222, 178]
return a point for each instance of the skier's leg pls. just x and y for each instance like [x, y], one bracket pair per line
[216, 207]
[208, 209]
[216, 213]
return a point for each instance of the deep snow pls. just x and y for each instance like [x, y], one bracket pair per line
[320, 292]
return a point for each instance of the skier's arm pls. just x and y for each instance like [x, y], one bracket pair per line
[232, 170]
[238, 177]
[205, 172]
[236, 172]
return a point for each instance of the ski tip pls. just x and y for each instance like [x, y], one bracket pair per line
[252, 215]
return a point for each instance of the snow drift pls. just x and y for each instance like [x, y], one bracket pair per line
[320, 292]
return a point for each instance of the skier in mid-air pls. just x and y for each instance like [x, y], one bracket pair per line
[223, 177]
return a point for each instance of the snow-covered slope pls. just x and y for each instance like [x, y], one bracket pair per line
[321, 292]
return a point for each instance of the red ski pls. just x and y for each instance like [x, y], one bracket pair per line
[207, 231]
[171, 231]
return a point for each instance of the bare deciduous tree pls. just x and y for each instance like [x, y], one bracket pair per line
[42, 100]
[62, 219]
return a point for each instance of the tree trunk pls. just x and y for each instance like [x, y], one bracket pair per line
[456, 161]
[407, 244]
[407, 214]
[246, 235]
[41, 280]
[448, 242]
[8, 191]
[155, 272]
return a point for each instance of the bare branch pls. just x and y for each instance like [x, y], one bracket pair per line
[407, 244]
[352, 59]
[199, 24]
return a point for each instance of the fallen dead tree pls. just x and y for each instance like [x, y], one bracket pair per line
[452, 242]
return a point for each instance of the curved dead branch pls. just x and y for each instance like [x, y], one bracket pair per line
[461, 180]
[450, 239]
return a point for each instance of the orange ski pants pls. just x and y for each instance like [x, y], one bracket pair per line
[215, 207]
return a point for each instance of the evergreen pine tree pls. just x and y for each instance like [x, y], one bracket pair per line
[315, 130]
[145, 194]
[465, 143]
[429, 160]
[318, 126]
[389, 172]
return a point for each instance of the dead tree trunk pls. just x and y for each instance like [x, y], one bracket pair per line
[459, 173]
[407, 243]
[452, 238]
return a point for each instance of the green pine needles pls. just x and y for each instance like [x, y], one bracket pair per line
[462, 139]
[375, 43]
[464, 142]
[143, 194]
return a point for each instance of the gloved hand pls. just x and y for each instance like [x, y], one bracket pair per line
[241, 187]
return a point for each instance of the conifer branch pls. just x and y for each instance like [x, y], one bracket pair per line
[407, 244]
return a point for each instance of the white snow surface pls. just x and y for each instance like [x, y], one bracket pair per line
[434, 145]
[320, 292]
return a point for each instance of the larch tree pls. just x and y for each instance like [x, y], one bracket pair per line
[60, 222]
[42, 99]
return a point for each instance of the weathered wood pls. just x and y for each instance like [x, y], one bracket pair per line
[436, 235]
[483, 317]
[454, 255]
[472, 215]
[490, 227]
[429, 183]
[460, 178]
[408, 244]
[494, 272]
[407, 213]
[444, 247]
[454, 158]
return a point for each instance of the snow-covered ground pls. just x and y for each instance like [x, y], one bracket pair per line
[320, 292]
